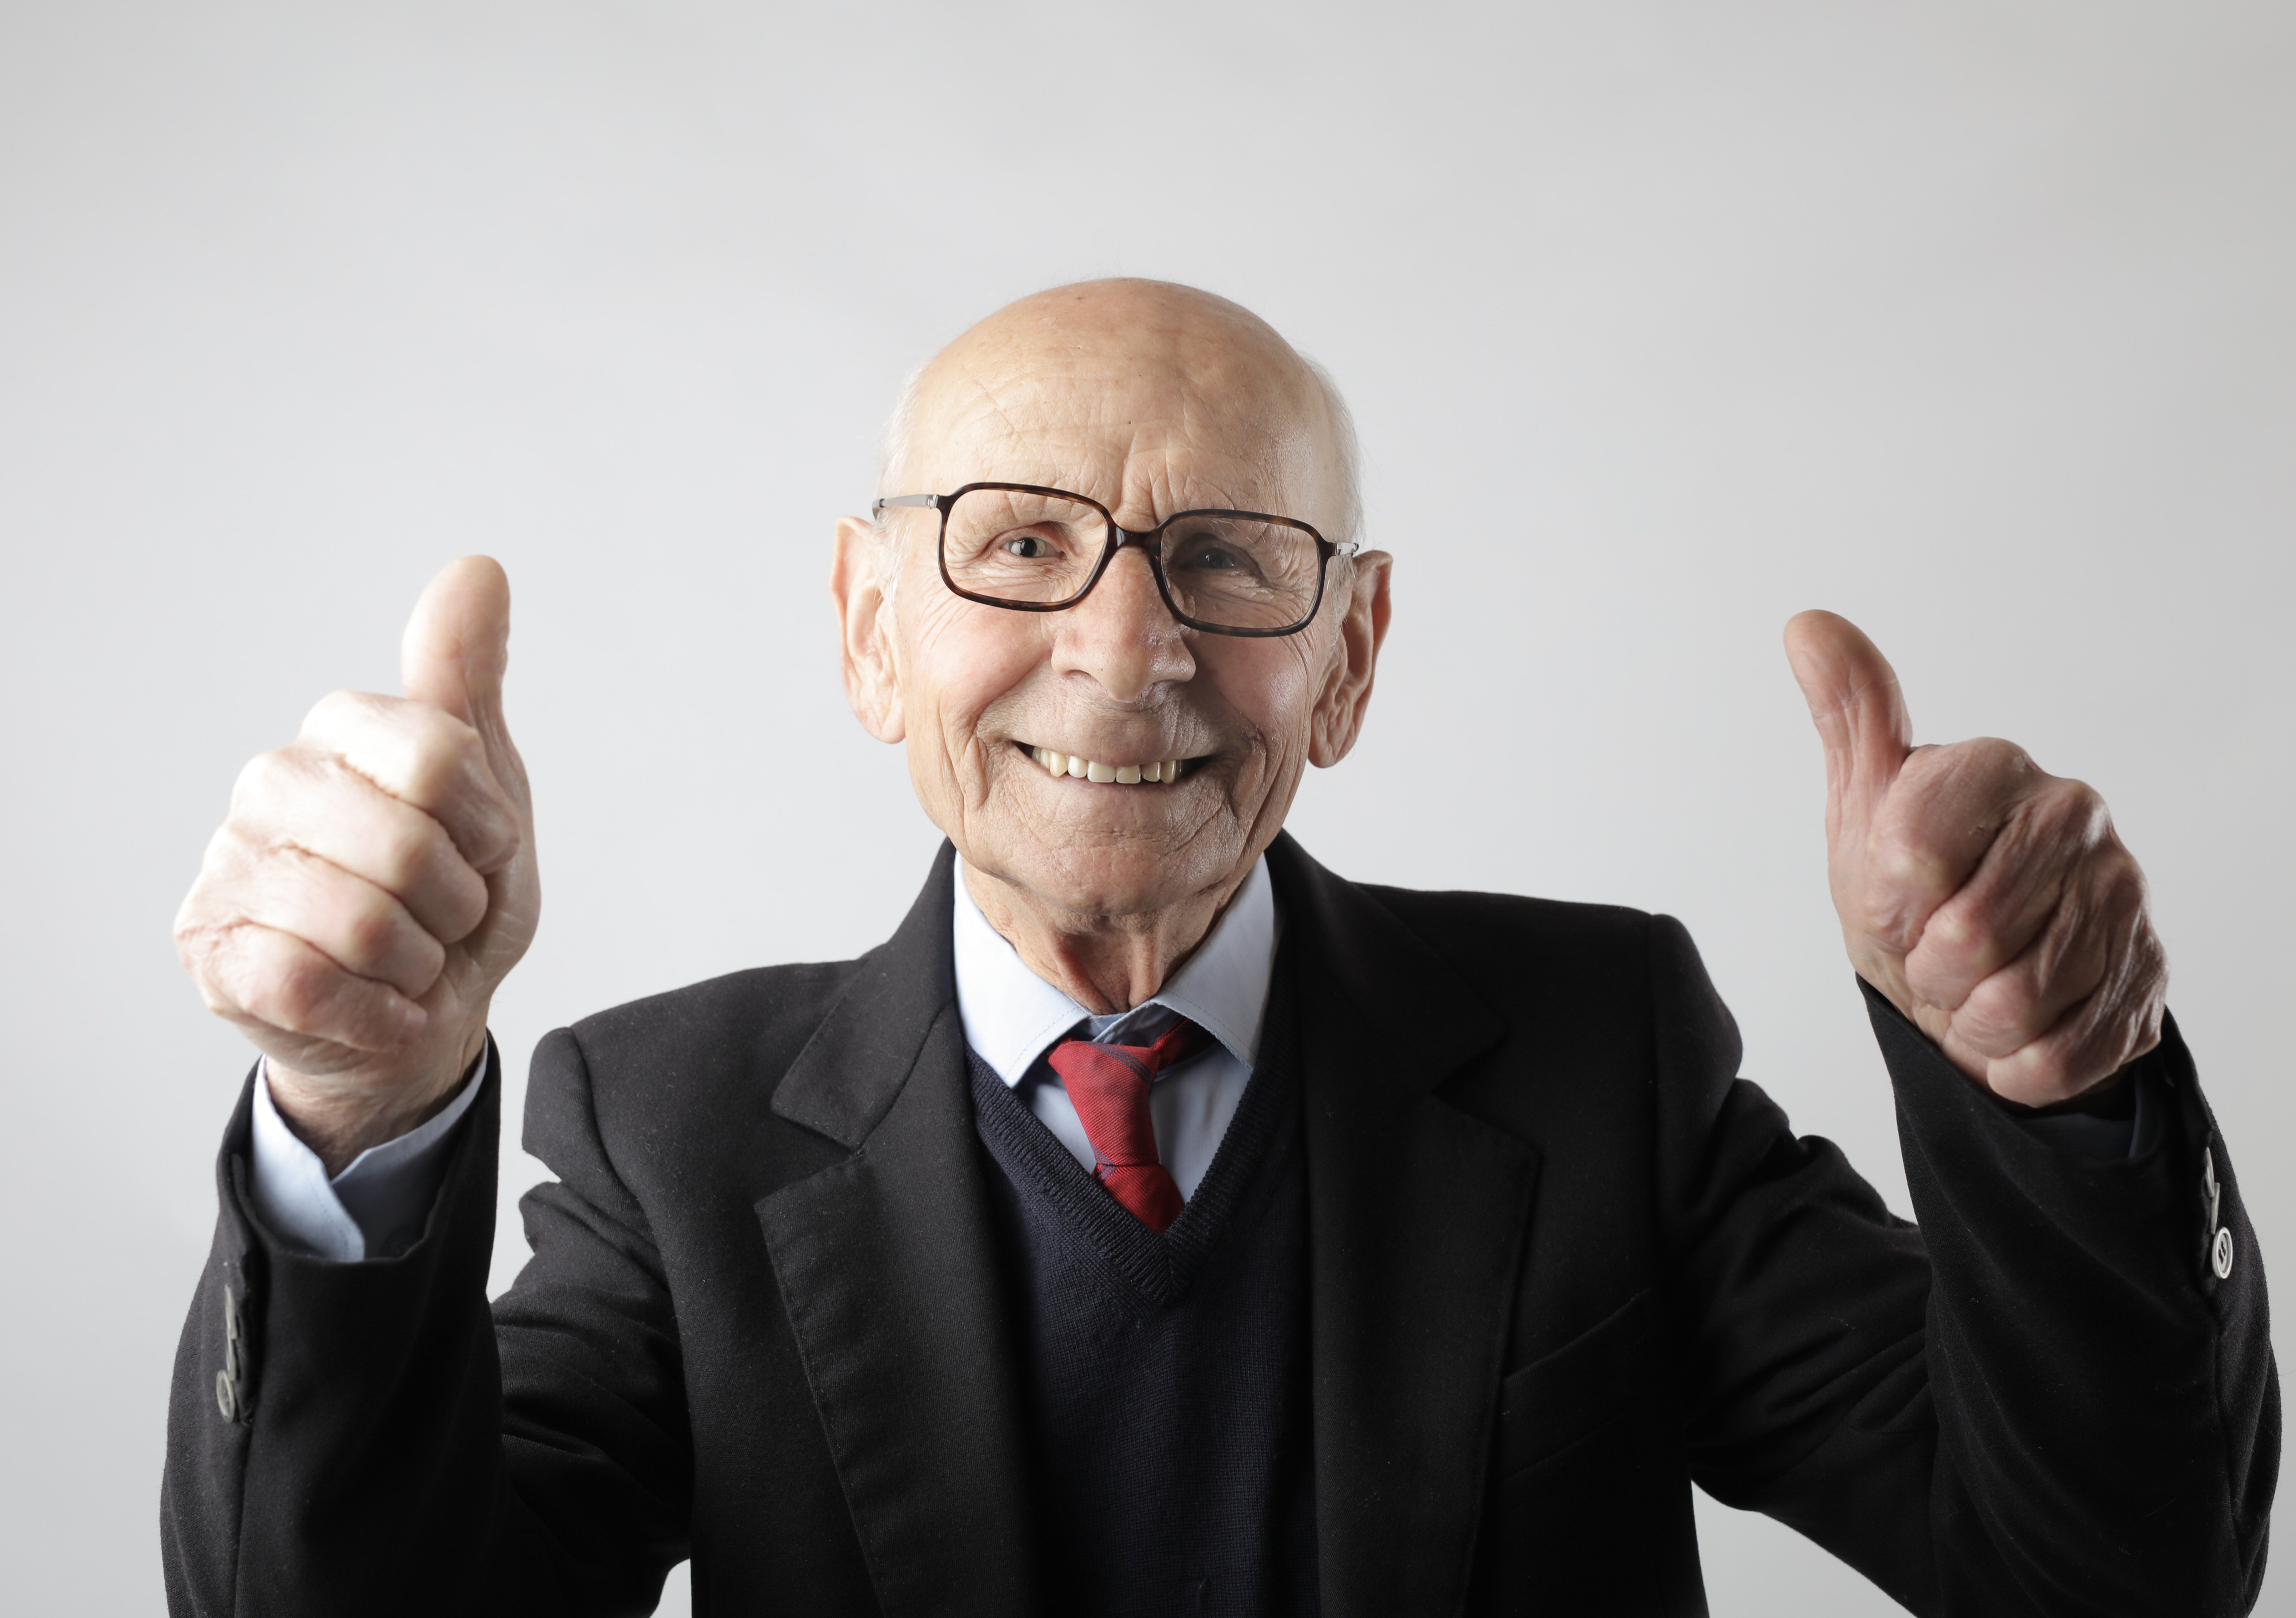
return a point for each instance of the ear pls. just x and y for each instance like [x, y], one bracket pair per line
[1363, 618]
[865, 629]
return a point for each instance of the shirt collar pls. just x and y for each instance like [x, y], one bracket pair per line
[1011, 1014]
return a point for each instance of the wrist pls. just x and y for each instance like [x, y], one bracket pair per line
[340, 1115]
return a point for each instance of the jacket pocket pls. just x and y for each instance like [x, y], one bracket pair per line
[1560, 1398]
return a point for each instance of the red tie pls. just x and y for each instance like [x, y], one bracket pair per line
[1109, 1086]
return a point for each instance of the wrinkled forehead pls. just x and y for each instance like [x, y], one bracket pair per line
[1148, 418]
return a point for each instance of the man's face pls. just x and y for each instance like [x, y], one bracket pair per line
[1152, 404]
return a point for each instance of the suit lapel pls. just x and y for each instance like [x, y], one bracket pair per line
[890, 1278]
[1417, 1216]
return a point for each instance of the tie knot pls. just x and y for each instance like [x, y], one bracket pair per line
[1177, 1043]
[1108, 1085]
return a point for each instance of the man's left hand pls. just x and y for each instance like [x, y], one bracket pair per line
[1991, 901]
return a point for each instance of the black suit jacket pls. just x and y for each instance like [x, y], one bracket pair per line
[1564, 1263]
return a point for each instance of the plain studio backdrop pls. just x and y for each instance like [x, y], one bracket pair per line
[1662, 321]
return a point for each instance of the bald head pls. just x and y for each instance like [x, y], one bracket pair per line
[1107, 360]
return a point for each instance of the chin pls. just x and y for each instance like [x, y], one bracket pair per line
[1096, 877]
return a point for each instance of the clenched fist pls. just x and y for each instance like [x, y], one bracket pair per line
[374, 881]
[1991, 901]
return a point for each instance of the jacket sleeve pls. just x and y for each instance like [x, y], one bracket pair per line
[2043, 1399]
[371, 1438]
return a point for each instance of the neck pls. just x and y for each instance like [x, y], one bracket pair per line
[1105, 964]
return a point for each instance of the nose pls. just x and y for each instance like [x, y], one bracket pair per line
[1121, 634]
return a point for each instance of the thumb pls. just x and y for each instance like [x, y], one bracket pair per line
[455, 650]
[1857, 706]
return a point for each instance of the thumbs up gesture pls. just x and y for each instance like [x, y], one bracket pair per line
[374, 881]
[1991, 902]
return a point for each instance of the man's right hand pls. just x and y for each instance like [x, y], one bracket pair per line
[374, 881]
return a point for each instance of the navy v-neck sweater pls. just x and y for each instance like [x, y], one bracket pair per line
[1165, 1377]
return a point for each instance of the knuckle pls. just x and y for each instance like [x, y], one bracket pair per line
[1996, 1013]
[1882, 918]
[2001, 758]
[1911, 867]
[2122, 902]
[1955, 956]
[1953, 933]
[442, 760]
[339, 711]
[418, 865]
[2071, 813]
[196, 945]
[214, 899]
[405, 852]
[263, 779]
[227, 850]
[426, 958]
[301, 992]
[2122, 877]
[370, 931]
[464, 904]
[2045, 1070]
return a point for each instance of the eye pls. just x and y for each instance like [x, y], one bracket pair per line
[1213, 556]
[1027, 545]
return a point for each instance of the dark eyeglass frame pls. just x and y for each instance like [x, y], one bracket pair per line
[1118, 538]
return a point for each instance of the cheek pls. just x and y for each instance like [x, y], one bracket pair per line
[1271, 684]
[960, 658]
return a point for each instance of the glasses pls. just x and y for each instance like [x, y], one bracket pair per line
[1040, 550]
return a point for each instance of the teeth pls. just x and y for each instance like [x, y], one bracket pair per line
[1059, 763]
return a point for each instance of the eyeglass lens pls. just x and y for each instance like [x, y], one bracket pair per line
[1032, 549]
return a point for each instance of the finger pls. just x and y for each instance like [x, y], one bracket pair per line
[2116, 1024]
[1941, 854]
[297, 798]
[426, 757]
[351, 922]
[2051, 829]
[2030, 994]
[273, 981]
[1859, 712]
[2093, 923]
[456, 651]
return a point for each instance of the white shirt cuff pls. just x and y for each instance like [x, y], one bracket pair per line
[376, 1207]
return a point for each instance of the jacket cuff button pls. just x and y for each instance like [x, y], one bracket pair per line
[2220, 1253]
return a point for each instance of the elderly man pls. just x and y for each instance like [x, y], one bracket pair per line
[1159, 1223]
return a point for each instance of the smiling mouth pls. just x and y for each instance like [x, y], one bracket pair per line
[1054, 762]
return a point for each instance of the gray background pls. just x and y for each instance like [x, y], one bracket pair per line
[1662, 321]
